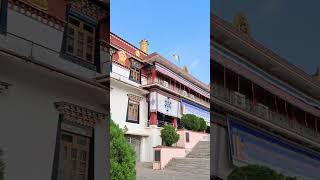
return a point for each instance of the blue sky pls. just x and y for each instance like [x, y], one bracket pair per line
[289, 28]
[171, 27]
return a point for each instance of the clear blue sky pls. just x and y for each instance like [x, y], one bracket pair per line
[171, 27]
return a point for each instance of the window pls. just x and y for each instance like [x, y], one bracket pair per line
[133, 112]
[3, 15]
[74, 161]
[80, 39]
[135, 74]
[157, 155]
[187, 137]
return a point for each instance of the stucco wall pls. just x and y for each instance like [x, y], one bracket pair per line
[29, 119]
[166, 154]
[194, 138]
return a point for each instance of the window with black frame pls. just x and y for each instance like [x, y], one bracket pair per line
[133, 112]
[135, 72]
[80, 41]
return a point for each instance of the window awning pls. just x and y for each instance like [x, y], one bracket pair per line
[189, 108]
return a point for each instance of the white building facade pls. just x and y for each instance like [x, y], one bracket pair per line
[53, 114]
[147, 92]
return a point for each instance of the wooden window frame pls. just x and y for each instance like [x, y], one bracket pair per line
[77, 30]
[135, 75]
[138, 112]
[59, 145]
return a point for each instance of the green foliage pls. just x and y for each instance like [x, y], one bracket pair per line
[190, 122]
[203, 124]
[254, 172]
[193, 123]
[169, 135]
[122, 155]
[2, 166]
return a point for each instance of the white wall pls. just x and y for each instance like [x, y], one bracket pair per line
[29, 119]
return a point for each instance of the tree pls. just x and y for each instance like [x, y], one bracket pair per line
[169, 135]
[254, 172]
[190, 122]
[203, 124]
[2, 166]
[122, 155]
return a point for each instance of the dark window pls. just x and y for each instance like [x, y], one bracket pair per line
[157, 155]
[135, 73]
[3, 15]
[80, 41]
[187, 137]
[133, 112]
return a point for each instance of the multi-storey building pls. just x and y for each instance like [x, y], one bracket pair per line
[264, 110]
[147, 92]
[53, 120]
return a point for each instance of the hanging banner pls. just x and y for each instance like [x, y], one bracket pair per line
[250, 146]
[164, 104]
[188, 108]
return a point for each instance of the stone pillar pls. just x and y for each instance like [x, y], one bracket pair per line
[153, 118]
[174, 122]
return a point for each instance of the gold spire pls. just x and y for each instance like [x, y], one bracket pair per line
[317, 74]
[144, 45]
[241, 23]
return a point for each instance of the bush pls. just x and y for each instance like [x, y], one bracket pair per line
[122, 155]
[1, 166]
[190, 122]
[169, 135]
[254, 172]
[203, 124]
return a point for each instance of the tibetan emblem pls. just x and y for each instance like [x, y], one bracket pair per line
[241, 23]
[137, 53]
[167, 104]
[41, 4]
[122, 57]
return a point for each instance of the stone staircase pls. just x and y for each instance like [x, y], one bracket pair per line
[197, 162]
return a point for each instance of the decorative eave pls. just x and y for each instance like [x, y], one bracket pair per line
[225, 34]
[37, 14]
[155, 57]
[79, 115]
[130, 49]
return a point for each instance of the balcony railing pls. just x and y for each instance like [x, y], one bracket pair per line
[160, 123]
[263, 112]
[177, 90]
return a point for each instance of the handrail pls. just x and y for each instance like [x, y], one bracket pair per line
[263, 112]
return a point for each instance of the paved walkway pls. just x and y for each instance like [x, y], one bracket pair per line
[145, 172]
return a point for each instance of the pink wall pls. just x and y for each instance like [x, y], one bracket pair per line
[194, 138]
[166, 154]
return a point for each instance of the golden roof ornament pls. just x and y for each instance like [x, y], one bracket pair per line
[144, 46]
[241, 23]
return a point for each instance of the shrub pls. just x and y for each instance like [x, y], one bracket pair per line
[190, 122]
[254, 172]
[203, 124]
[1, 166]
[122, 155]
[169, 135]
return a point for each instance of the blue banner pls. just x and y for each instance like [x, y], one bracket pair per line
[189, 108]
[250, 146]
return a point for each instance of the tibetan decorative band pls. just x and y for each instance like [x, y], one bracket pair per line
[79, 114]
[134, 98]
